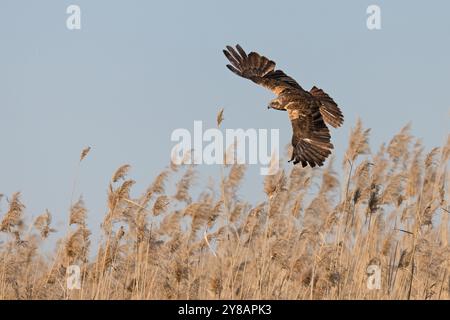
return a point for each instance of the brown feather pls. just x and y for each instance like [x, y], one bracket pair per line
[329, 109]
[259, 69]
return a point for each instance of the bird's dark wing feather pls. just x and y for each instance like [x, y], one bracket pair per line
[328, 108]
[259, 69]
[311, 137]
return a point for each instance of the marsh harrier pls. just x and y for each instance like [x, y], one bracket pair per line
[307, 110]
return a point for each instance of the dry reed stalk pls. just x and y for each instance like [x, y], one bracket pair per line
[295, 244]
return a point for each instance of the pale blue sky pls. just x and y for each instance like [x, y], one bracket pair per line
[137, 70]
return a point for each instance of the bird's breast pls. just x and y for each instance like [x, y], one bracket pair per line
[293, 114]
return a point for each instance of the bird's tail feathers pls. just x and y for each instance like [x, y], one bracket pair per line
[328, 108]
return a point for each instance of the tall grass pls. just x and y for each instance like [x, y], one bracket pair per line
[313, 237]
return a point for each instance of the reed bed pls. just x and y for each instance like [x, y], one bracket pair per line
[315, 236]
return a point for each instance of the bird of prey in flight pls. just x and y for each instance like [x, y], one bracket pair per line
[307, 110]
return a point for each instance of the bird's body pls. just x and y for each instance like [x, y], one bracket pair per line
[307, 110]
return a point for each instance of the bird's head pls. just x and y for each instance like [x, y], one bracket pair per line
[275, 104]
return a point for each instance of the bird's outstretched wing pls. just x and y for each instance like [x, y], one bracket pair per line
[311, 137]
[259, 69]
[328, 108]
